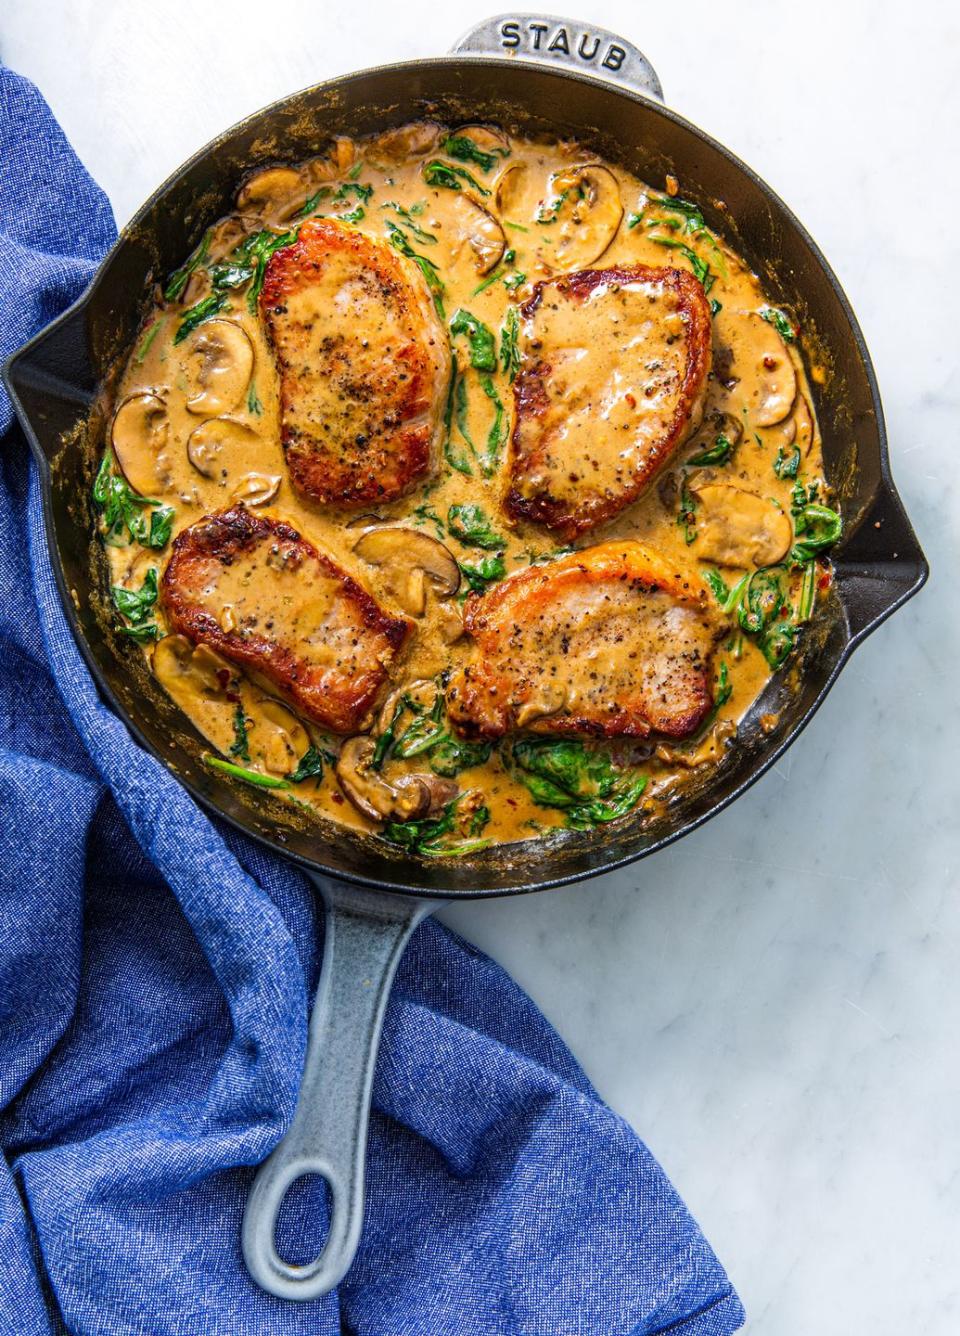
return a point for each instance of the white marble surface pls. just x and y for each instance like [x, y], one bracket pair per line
[774, 1003]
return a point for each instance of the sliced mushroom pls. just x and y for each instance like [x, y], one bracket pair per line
[715, 425]
[269, 187]
[409, 560]
[139, 437]
[218, 364]
[406, 141]
[515, 193]
[708, 752]
[589, 210]
[804, 425]
[739, 528]
[479, 231]
[765, 370]
[221, 449]
[193, 676]
[407, 798]
[344, 152]
[278, 737]
[423, 691]
[488, 138]
[256, 489]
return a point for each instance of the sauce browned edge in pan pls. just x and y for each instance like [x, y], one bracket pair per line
[375, 898]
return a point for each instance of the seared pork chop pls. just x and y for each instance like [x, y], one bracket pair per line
[612, 379]
[609, 642]
[256, 592]
[364, 365]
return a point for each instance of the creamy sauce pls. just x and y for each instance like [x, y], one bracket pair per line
[198, 428]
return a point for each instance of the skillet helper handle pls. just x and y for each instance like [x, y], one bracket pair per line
[548, 40]
[366, 932]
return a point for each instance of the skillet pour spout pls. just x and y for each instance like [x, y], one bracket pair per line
[543, 76]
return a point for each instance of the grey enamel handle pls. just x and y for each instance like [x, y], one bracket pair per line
[555, 41]
[366, 932]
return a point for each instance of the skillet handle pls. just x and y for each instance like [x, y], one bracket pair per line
[548, 40]
[366, 932]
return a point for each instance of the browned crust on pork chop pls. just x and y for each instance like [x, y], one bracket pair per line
[258, 593]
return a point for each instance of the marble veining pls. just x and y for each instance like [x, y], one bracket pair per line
[774, 1002]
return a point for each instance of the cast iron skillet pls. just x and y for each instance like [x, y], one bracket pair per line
[541, 75]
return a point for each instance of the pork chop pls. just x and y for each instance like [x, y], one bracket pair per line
[612, 379]
[612, 641]
[258, 593]
[364, 365]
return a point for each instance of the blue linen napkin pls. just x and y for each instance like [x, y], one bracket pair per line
[155, 972]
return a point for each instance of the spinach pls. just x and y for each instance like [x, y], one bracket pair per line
[456, 397]
[310, 765]
[808, 592]
[485, 572]
[425, 731]
[724, 689]
[240, 747]
[787, 466]
[255, 252]
[483, 348]
[763, 599]
[718, 453]
[427, 515]
[781, 323]
[122, 510]
[135, 604]
[411, 223]
[312, 201]
[514, 281]
[449, 756]
[465, 150]
[715, 306]
[437, 173]
[470, 525]
[148, 339]
[633, 219]
[196, 315]
[253, 402]
[509, 351]
[691, 212]
[435, 283]
[145, 634]
[687, 518]
[548, 214]
[701, 270]
[248, 776]
[426, 837]
[483, 358]
[583, 783]
[179, 278]
[777, 642]
[816, 528]
[386, 739]
[729, 599]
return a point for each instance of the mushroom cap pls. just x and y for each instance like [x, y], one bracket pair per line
[765, 370]
[278, 735]
[739, 528]
[221, 449]
[479, 232]
[256, 489]
[587, 227]
[218, 363]
[409, 559]
[405, 141]
[405, 799]
[269, 186]
[138, 437]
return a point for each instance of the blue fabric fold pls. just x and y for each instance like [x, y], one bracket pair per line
[155, 976]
